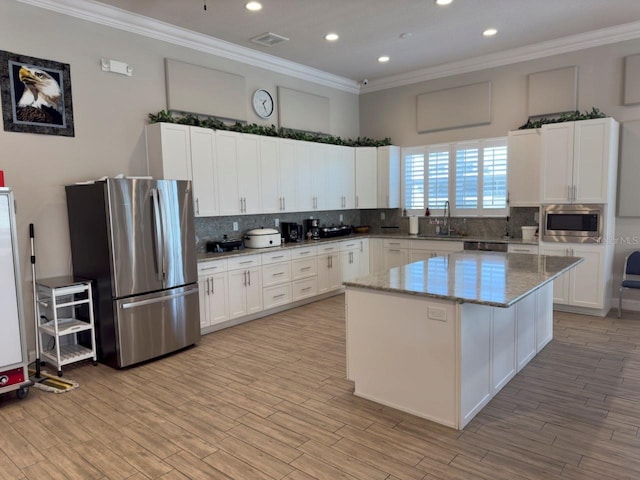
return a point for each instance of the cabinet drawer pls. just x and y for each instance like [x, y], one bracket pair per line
[393, 243]
[277, 295]
[305, 288]
[276, 257]
[350, 245]
[212, 266]
[523, 249]
[303, 268]
[276, 273]
[332, 247]
[243, 261]
[304, 252]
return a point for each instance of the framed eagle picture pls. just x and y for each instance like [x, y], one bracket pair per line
[36, 95]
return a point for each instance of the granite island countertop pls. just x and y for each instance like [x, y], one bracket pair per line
[486, 278]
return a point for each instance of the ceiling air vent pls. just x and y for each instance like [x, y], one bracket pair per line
[269, 39]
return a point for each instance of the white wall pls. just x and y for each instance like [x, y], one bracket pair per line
[110, 112]
[600, 84]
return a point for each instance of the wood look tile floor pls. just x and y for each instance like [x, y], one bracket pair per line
[269, 400]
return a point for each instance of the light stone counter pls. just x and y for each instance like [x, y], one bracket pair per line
[486, 278]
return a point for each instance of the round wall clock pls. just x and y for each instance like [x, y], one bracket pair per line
[263, 103]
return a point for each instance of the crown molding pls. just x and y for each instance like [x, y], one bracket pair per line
[596, 38]
[113, 17]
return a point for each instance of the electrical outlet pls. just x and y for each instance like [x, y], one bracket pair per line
[235, 226]
[382, 216]
[341, 217]
[436, 313]
[277, 221]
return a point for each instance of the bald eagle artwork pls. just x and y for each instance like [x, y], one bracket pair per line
[40, 99]
[36, 95]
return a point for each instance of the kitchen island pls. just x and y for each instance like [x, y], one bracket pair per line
[439, 338]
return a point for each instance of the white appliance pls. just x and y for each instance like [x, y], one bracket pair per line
[262, 238]
[14, 374]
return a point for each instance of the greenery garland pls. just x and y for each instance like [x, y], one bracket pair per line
[565, 117]
[269, 131]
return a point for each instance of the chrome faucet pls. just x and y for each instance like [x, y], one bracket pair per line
[446, 218]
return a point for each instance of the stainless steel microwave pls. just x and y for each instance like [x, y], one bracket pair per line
[572, 223]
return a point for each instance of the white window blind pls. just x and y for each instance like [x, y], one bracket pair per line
[494, 176]
[467, 177]
[438, 177]
[414, 169]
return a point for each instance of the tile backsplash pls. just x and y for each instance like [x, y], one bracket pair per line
[213, 228]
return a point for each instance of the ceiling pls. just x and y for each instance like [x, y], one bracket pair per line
[370, 28]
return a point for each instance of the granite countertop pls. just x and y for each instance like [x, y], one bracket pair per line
[486, 278]
[204, 256]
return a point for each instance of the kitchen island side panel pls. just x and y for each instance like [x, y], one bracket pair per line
[399, 355]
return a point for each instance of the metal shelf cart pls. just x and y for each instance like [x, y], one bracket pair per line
[66, 324]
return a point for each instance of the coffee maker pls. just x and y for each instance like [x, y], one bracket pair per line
[291, 232]
[312, 229]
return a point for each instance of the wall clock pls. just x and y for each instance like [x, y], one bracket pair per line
[263, 103]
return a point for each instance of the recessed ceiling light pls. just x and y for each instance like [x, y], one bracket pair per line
[253, 6]
[332, 37]
[489, 32]
[383, 59]
[443, 2]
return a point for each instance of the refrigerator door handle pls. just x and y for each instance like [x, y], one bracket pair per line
[159, 238]
[158, 299]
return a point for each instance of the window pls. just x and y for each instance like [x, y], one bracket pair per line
[471, 175]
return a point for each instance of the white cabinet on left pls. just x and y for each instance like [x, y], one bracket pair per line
[181, 152]
[212, 283]
[245, 285]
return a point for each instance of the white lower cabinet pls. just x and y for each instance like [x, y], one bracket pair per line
[305, 288]
[245, 286]
[515, 248]
[395, 253]
[584, 285]
[364, 257]
[426, 249]
[350, 260]
[329, 275]
[212, 285]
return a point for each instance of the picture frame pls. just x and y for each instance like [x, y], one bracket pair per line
[36, 95]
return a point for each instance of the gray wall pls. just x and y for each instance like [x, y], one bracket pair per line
[110, 112]
[600, 84]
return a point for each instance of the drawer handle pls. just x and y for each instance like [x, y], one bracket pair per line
[277, 274]
[305, 289]
[246, 262]
[279, 256]
[278, 296]
[304, 269]
[392, 250]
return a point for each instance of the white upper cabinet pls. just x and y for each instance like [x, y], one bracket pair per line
[523, 167]
[319, 154]
[269, 173]
[579, 161]
[306, 195]
[287, 175]
[180, 152]
[366, 177]
[238, 173]
[340, 175]
[388, 173]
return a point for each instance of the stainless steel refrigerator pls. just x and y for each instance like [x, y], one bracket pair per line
[135, 239]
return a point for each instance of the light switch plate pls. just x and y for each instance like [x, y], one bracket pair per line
[235, 226]
[277, 222]
[436, 313]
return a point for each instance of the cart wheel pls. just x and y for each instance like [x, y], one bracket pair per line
[59, 373]
[22, 392]
[95, 363]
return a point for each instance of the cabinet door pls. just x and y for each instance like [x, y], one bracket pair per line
[236, 293]
[376, 255]
[203, 151]
[253, 290]
[329, 277]
[305, 193]
[335, 178]
[169, 151]
[319, 174]
[203, 298]
[269, 172]
[287, 176]
[557, 162]
[218, 306]
[249, 173]
[591, 160]
[366, 177]
[523, 167]
[560, 284]
[364, 257]
[350, 264]
[417, 255]
[395, 257]
[586, 280]
[388, 174]
[226, 155]
[348, 174]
